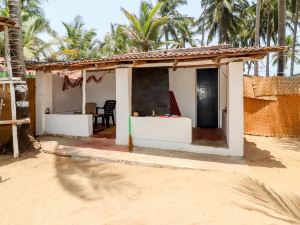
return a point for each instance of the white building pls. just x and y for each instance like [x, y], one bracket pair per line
[207, 83]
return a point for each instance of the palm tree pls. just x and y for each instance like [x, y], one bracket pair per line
[257, 29]
[289, 52]
[78, 43]
[34, 47]
[144, 31]
[185, 33]
[26, 141]
[115, 42]
[169, 8]
[269, 25]
[294, 8]
[223, 17]
[281, 35]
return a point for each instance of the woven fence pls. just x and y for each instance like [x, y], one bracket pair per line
[5, 130]
[272, 106]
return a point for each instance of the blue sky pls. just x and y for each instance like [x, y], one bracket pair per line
[99, 14]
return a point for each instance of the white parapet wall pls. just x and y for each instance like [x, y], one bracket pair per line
[69, 124]
[156, 132]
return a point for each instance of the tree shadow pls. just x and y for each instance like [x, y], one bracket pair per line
[6, 159]
[257, 157]
[86, 179]
[285, 207]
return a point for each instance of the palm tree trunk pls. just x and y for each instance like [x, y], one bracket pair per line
[203, 24]
[281, 36]
[166, 36]
[26, 140]
[268, 42]
[294, 37]
[257, 27]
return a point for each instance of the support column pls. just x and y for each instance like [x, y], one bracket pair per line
[83, 91]
[43, 83]
[235, 109]
[123, 107]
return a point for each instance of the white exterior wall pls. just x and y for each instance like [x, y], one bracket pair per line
[146, 131]
[65, 101]
[105, 90]
[183, 84]
[235, 109]
[71, 125]
[123, 108]
[222, 96]
[43, 99]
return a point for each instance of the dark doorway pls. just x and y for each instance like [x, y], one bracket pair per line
[150, 91]
[207, 98]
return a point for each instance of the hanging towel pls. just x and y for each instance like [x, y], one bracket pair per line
[174, 109]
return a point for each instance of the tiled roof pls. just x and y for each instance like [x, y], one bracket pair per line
[199, 53]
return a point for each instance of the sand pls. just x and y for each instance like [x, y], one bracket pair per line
[46, 189]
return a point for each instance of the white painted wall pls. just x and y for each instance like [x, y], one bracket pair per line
[71, 125]
[235, 109]
[43, 99]
[222, 93]
[71, 99]
[152, 129]
[123, 108]
[65, 101]
[183, 84]
[105, 90]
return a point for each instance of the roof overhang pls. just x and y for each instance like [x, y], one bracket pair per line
[203, 56]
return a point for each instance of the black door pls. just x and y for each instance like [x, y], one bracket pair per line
[207, 98]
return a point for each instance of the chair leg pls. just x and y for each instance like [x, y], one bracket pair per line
[103, 121]
[113, 119]
[107, 121]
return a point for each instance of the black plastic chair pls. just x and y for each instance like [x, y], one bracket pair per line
[108, 108]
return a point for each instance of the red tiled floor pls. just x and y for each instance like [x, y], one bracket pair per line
[109, 133]
[209, 134]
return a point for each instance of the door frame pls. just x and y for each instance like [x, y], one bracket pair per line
[196, 102]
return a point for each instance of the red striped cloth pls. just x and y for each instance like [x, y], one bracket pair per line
[174, 109]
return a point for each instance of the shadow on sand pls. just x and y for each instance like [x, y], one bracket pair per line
[87, 179]
[257, 157]
[285, 207]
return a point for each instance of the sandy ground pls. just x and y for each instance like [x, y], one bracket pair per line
[45, 189]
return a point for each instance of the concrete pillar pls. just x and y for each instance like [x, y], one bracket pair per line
[43, 97]
[235, 109]
[123, 107]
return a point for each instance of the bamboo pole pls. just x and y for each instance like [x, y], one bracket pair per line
[83, 91]
[12, 95]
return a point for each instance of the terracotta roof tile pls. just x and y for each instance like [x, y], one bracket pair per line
[198, 53]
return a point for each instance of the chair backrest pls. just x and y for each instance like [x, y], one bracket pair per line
[109, 106]
[90, 108]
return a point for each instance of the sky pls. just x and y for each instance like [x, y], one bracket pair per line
[99, 14]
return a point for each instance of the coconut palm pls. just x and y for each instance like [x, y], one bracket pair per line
[176, 19]
[185, 33]
[281, 36]
[269, 25]
[115, 42]
[25, 139]
[144, 31]
[223, 17]
[78, 43]
[289, 52]
[257, 29]
[294, 8]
